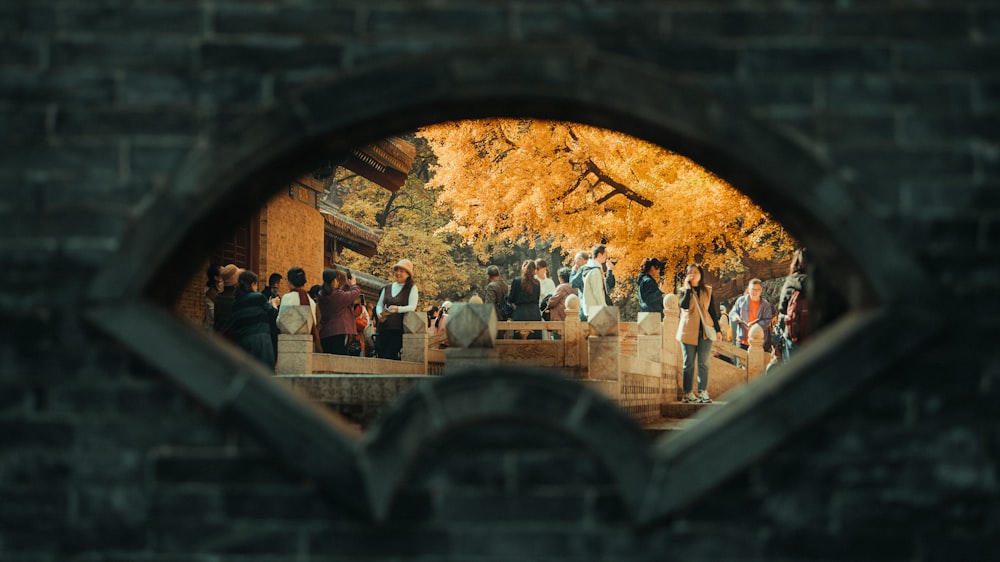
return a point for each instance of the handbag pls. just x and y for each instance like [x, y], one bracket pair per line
[707, 328]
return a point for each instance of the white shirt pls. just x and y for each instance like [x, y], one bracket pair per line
[593, 287]
[292, 299]
[545, 287]
[394, 290]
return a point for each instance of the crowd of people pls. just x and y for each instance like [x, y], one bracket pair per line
[343, 323]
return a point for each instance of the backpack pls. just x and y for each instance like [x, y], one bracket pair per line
[797, 317]
[506, 308]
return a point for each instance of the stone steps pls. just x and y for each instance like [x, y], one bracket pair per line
[675, 416]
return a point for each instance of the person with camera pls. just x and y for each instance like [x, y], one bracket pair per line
[337, 327]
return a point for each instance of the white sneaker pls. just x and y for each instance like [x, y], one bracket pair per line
[703, 397]
[690, 398]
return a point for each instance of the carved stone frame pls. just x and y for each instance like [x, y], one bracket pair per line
[227, 177]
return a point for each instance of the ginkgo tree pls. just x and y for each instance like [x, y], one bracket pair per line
[580, 185]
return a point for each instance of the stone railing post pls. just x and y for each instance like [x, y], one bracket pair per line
[756, 356]
[573, 341]
[472, 331]
[670, 350]
[650, 340]
[415, 338]
[605, 344]
[295, 354]
[295, 342]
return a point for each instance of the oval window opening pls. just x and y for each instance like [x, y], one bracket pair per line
[538, 220]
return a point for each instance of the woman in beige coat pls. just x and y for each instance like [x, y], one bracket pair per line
[698, 309]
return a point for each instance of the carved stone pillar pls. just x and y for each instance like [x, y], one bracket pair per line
[650, 339]
[415, 338]
[471, 331]
[574, 341]
[295, 354]
[671, 363]
[756, 356]
[605, 346]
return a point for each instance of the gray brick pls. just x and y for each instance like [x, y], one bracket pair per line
[271, 56]
[845, 129]
[924, 127]
[891, 164]
[991, 235]
[878, 93]
[230, 88]
[165, 18]
[681, 57]
[49, 435]
[48, 158]
[988, 91]
[928, 25]
[23, 123]
[146, 88]
[458, 508]
[300, 21]
[191, 537]
[231, 471]
[940, 234]
[986, 22]
[25, 16]
[38, 468]
[560, 469]
[32, 502]
[20, 53]
[14, 398]
[813, 60]
[87, 121]
[745, 24]
[20, 86]
[600, 24]
[948, 58]
[157, 159]
[286, 504]
[482, 23]
[134, 52]
[116, 503]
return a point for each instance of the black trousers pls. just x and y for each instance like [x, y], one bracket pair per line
[336, 345]
[388, 344]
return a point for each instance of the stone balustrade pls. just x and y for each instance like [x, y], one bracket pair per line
[640, 377]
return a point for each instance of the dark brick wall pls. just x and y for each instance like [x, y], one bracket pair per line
[109, 111]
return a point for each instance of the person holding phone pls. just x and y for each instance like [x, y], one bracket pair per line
[336, 311]
[697, 330]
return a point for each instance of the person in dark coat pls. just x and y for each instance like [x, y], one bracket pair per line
[223, 307]
[252, 320]
[650, 291]
[524, 296]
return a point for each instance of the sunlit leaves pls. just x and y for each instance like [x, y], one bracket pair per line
[510, 179]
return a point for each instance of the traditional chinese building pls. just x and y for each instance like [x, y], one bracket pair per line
[302, 226]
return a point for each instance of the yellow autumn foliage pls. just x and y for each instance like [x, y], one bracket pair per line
[509, 179]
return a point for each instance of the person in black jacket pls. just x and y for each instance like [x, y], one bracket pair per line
[252, 320]
[650, 290]
[524, 296]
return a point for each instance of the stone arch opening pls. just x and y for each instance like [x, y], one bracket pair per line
[239, 166]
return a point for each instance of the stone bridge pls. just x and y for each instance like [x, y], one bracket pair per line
[638, 365]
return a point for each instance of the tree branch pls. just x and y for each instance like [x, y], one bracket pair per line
[618, 188]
